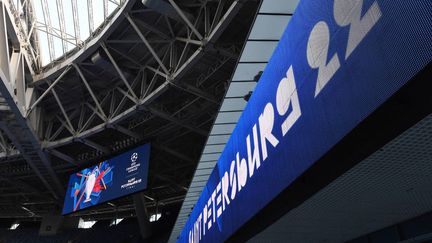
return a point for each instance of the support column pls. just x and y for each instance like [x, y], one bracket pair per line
[4, 47]
[142, 215]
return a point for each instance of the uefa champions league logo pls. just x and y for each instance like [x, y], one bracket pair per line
[134, 157]
[134, 165]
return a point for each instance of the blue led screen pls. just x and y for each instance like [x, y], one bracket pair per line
[110, 179]
[335, 64]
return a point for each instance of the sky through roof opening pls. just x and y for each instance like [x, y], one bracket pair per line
[62, 25]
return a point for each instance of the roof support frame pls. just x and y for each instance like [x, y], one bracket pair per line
[63, 156]
[51, 86]
[94, 145]
[117, 113]
[69, 124]
[186, 20]
[119, 71]
[83, 78]
[147, 44]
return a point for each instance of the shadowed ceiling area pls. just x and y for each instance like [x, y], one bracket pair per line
[155, 71]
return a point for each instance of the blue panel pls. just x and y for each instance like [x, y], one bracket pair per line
[336, 63]
[108, 180]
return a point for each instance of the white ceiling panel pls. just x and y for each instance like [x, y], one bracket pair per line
[228, 117]
[258, 51]
[240, 89]
[278, 6]
[247, 71]
[217, 139]
[269, 27]
[235, 104]
[223, 128]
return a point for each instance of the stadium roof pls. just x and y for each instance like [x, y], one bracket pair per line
[61, 26]
[153, 71]
[257, 51]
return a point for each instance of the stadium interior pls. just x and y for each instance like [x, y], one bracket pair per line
[188, 121]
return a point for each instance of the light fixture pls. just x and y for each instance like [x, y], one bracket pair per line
[14, 226]
[155, 217]
[116, 221]
[85, 224]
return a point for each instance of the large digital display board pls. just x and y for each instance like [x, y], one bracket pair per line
[110, 179]
[337, 62]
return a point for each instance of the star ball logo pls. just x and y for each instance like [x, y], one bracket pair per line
[134, 157]
[134, 165]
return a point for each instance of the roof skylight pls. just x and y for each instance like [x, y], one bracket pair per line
[62, 25]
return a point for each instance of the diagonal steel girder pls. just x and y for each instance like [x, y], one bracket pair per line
[147, 44]
[16, 127]
[161, 147]
[18, 130]
[94, 145]
[217, 31]
[173, 80]
[170, 118]
[185, 19]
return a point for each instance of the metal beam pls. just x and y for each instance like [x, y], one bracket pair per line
[156, 145]
[225, 20]
[173, 80]
[197, 91]
[119, 71]
[185, 19]
[21, 133]
[170, 118]
[94, 145]
[189, 40]
[4, 45]
[63, 156]
[147, 44]
[217, 30]
[127, 57]
[126, 132]
[90, 47]
[153, 29]
[63, 111]
[137, 41]
[58, 79]
[173, 152]
[3, 143]
[83, 78]
[92, 116]
[29, 160]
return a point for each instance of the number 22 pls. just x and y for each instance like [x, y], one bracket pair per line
[346, 13]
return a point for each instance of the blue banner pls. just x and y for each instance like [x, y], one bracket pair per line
[108, 180]
[337, 61]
